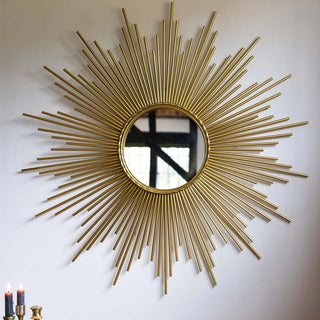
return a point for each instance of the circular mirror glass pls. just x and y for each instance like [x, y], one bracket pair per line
[164, 148]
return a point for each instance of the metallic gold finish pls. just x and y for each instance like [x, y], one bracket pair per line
[20, 311]
[164, 73]
[36, 312]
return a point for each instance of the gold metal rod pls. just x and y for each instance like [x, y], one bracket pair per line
[156, 80]
[164, 89]
[254, 160]
[143, 83]
[148, 225]
[115, 213]
[146, 82]
[98, 231]
[186, 221]
[206, 109]
[243, 187]
[77, 187]
[195, 78]
[128, 84]
[145, 211]
[69, 199]
[116, 189]
[205, 252]
[258, 94]
[198, 216]
[238, 120]
[149, 88]
[100, 133]
[240, 200]
[158, 59]
[181, 80]
[153, 232]
[83, 171]
[178, 226]
[84, 165]
[212, 87]
[168, 234]
[173, 67]
[233, 173]
[111, 145]
[264, 204]
[273, 136]
[87, 178]
[218, 90]
[104, 114]
[56, 165]
[94, 192]
[160, 244]
[178, 79]
[106, 99]
[133, 85]
[231, 200]
[134, 62]
[238, 101]
[259, 173]
[126, 90]
[176, 63]
[83, 123]
[132, 231]
[112, 103]
[118, 89]
[204, 189]
[111, 194]
[165, 240]
[92, 102]
[135, 81]
[229, 217]
[194, 106]
[197, 55]
[123, 199]
[100, 117]
[264, 130]
[198, 196]
[195, 52]
[169, 61]
[249, 128]
[174, 226]
[150, 74]
[263, 167]
[203, 64]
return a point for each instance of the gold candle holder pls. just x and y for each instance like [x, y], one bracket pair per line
[36, 312]
[20, 311]
[8, 318]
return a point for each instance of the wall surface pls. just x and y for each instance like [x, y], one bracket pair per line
[284, 284]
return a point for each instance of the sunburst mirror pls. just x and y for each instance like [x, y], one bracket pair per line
[166, 147]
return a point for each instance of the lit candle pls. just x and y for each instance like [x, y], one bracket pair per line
[8, 298]
[20, 296]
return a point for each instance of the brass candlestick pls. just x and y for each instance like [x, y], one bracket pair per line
[8, 318]
[36, 310]
[20, 311]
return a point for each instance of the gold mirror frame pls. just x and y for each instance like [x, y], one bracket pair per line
[124, 134]
[214, 201]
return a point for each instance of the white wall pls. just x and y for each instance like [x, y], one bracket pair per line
[284, 284]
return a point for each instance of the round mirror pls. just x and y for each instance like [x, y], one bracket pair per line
[164, 148]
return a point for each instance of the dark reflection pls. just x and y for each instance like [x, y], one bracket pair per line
[171, 136]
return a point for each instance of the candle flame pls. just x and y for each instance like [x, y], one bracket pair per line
[21, 286]
[8, 287]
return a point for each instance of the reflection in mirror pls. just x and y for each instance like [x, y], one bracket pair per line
[164, 148]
